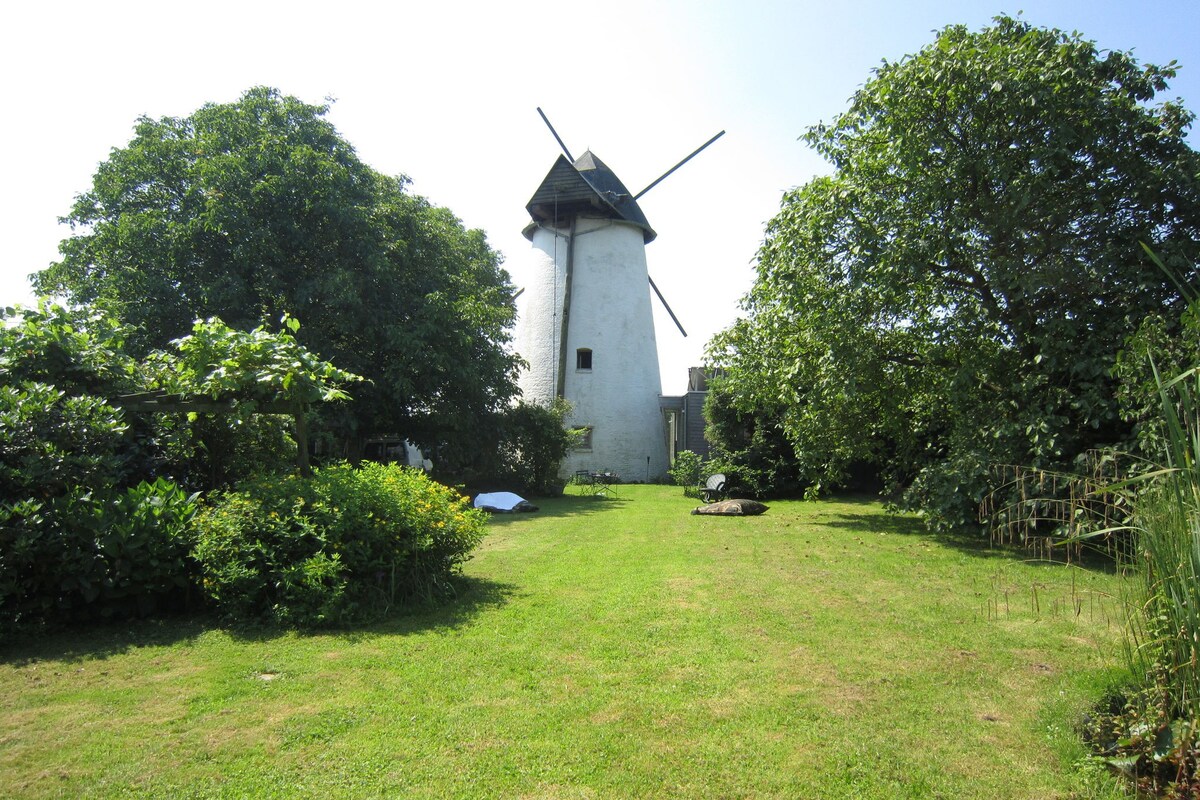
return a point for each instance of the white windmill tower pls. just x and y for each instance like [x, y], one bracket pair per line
[587, 326]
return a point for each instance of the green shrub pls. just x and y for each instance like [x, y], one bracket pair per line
[80, 350]
[520, 450]
[59, 427]
[751, 448]
[534, 444]
[80, 536]
[50, 442]
[342, 546]
[89, 553]
[687, 469]
[216, 451]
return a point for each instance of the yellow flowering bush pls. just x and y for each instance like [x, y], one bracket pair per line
[346, 545]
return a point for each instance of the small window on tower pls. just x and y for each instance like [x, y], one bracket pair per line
[583, 438]
[583, 359]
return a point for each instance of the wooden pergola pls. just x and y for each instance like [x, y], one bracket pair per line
[161, 402]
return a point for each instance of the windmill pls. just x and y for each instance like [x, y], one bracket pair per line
[587, 326]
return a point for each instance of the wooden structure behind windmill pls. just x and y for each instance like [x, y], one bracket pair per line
[587, 326]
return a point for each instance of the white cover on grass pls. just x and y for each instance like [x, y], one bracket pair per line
[501, 501]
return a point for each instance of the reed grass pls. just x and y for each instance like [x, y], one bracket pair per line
[1165, 628]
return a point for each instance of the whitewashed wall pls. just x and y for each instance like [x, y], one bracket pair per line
[611, 315]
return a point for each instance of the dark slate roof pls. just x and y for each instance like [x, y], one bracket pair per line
[586, 187]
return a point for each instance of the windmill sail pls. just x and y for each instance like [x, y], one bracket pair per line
[667, 306]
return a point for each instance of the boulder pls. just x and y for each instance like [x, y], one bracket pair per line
[732, 508]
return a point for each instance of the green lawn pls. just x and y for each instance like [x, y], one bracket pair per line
[608, 648]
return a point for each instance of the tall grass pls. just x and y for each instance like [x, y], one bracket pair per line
[1151, 733]
[1165, 628]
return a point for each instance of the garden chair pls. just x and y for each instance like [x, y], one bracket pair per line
[713, 488]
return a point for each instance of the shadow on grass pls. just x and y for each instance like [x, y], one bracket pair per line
[976, 544]
[474, 596]
[900, 525]
[87, 641]
[569, 505]
[74, 644]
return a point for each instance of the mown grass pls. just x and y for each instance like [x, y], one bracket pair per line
[608, 648]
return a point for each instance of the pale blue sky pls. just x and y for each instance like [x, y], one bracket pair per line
[446, 92]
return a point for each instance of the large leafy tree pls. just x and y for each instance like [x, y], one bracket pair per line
[254, 209]
[955, 294]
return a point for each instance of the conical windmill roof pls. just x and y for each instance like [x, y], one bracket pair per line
[586, 187]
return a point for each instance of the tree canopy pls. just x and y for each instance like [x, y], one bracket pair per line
[251, 210]
[955, 294]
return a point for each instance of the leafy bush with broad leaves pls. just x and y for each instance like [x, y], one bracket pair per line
[63, 372]
[58, 370]
[79, 350]
[252, 371]
[342, 546]
[520, 449]
[90, 553]
[249, 366]
[89, 525]
[50, 442]
[82, 535]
